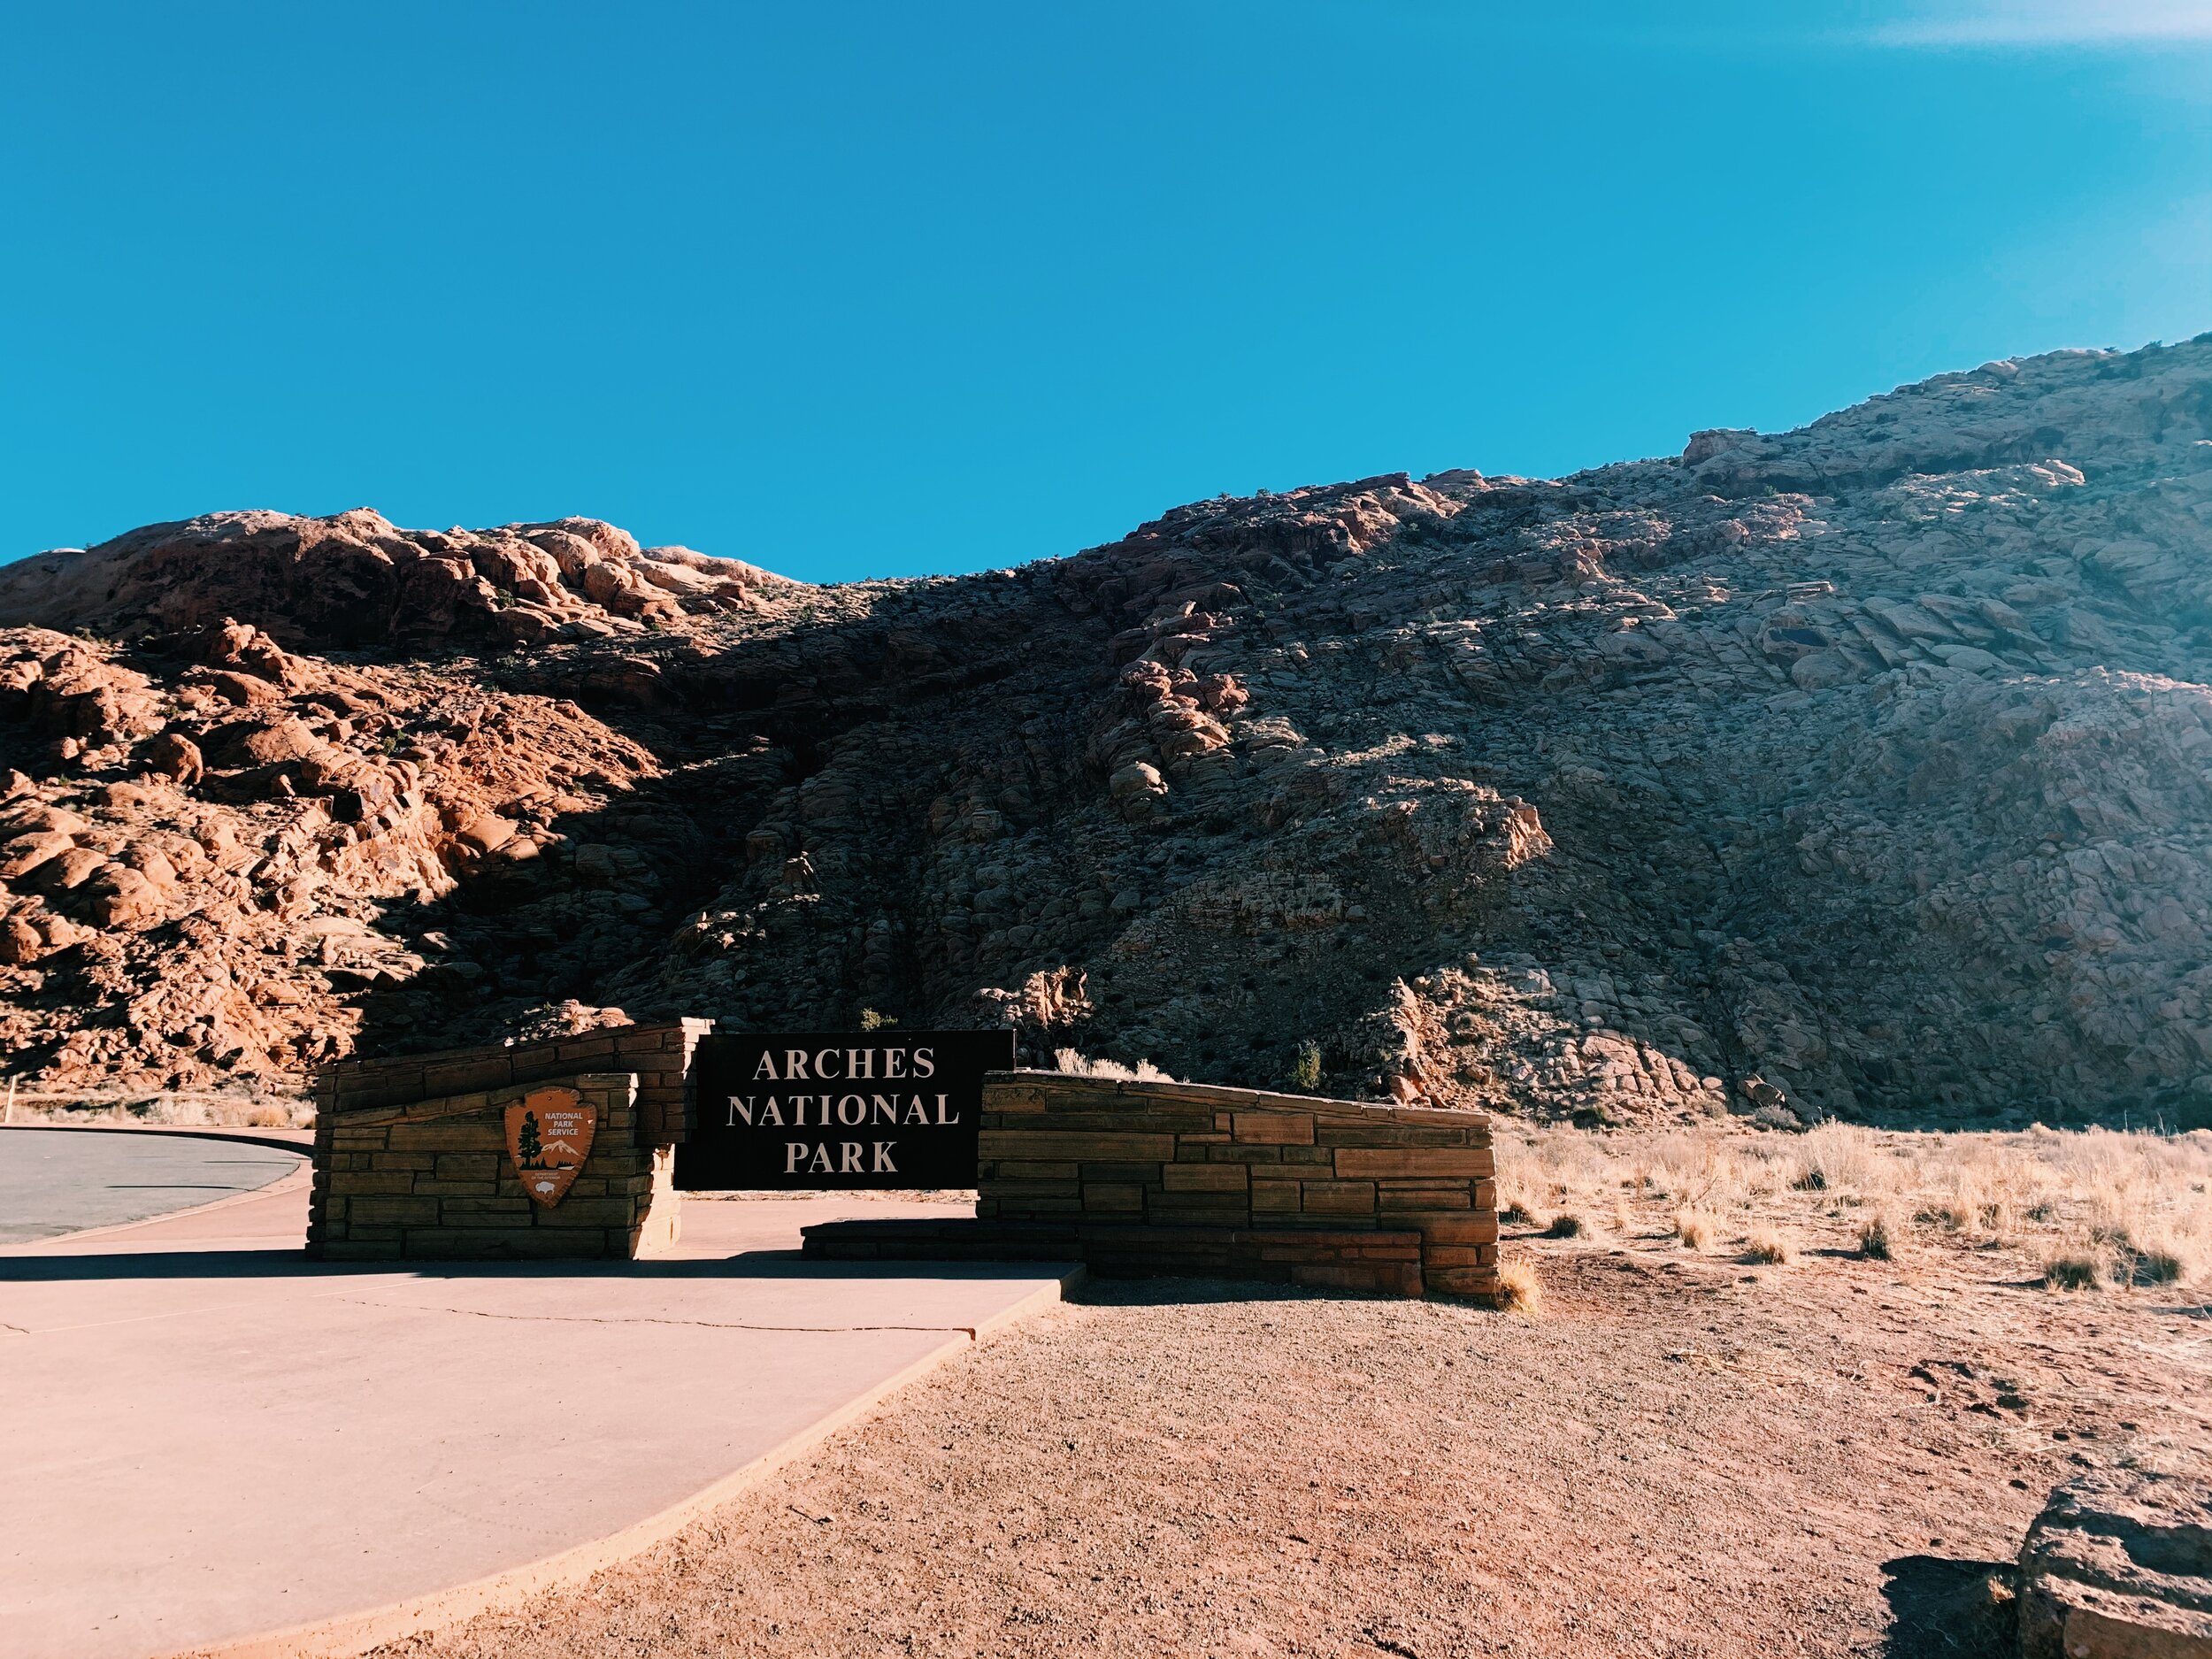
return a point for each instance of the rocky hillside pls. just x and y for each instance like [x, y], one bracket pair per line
[1861, 770]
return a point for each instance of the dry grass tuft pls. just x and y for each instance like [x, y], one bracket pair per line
[1566, 1224]
[1839, 1158]
[1519, 1289]
[1770, 1245]
[2142, 1200]
[1075, 1064]
[1876, 1240]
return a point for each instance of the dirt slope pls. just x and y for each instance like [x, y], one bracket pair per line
[1861, 769]
[1686, 1457]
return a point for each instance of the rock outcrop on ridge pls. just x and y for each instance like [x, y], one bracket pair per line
[1864, 770]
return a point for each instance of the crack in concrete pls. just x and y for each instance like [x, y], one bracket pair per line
[967, 1331]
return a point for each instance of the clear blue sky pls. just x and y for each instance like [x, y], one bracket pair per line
[872, 289]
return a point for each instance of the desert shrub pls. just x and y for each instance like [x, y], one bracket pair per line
[1770, 1245]
[2156, 1265]
[1566, 1224]
[1305, 1071]
[1694, 1227]
[870, 1020]
[1875, 1239]
[1519, 1289]
[2076, 1267]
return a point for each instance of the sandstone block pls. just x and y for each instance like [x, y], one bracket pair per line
[2119, 1566]
[1013, 1170]
[484, 1136]
[1402, 1196]
[1203, 1178]
[1338, 1198]
[1367, 1163]
[1441, 1226]
[400, 1212]
[1450, 1256]
[376, 1182]
[1105, 1170]
[462, 1077]
[1476, 1283]
[1047, 1144]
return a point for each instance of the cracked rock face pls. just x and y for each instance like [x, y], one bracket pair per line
[1861, 770]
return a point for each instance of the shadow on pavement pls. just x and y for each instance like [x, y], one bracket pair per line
[289, 1262]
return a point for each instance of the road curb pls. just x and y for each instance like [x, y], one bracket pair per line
[350, 1635]
[289, 1139]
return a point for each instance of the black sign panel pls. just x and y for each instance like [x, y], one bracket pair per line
[823, 1109]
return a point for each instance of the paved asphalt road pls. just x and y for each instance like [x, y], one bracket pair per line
[63, 1180]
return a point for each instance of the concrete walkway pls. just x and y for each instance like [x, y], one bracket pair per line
[210, 1439]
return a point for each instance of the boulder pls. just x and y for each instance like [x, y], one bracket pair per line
[19, 943]
[120, 897]
[27, 816]
[25, 853]
[67, 869]
[172, 755]
[2119, 1566]
[263, 743]
[485, 831]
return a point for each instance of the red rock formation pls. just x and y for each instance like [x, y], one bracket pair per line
[1862, 768]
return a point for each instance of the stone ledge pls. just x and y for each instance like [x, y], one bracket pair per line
[1224, 1098]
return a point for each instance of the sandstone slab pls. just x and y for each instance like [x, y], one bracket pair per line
[2119, 1566]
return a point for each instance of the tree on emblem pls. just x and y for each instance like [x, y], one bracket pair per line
[528, 1149]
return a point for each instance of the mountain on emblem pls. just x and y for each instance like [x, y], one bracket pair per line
[548, 1137]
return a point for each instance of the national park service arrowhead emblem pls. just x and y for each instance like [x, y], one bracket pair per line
[548, 1136]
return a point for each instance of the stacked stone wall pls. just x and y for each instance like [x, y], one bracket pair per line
[1118, 1153]
[411, 1161]
[433, 1180]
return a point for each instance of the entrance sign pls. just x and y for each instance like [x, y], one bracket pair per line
[822, 1110]
[548, 1136]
